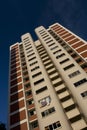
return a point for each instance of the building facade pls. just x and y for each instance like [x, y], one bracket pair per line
[48, 81]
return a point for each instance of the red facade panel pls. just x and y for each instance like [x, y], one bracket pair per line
[17, 117]
[33, 117]
[15, 46]
[15, 70]
[31, 106]
[84, 54]
[67, 35]
[13, 61]
[30, 96]
[21, 127]
[60, 30]
[16, 88]
[16, 81]
[14, 53]
[15, 65]
[16, 96]
[56, 29]
[83, 48]
[17, 106]
[78, 44]
[73, 41]
[55, 26]
[63, 33]
[15, 75]
[14, 57]
[69, 38]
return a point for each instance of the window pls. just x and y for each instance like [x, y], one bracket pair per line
[22, 56]
[24, 68]
[49, 41]
[54, 47]
[26, 38]
[57, 38]
[80, 82]
[27, 44]
[69, 66]
[47, 38]
[57, 51]
[50, 67]
[34, 124]
[26, 79]
[45, 101]
[43, 56]
[44, 33]
[41, 30]
[74, 55]
[84, 94]
[79, 60]
[74, 74]
[41, 89]
[63, 61]
[29, 102]
[28, 48]
[25, 73]
[60, 41]
[52, 72]
[63, 43]
[29, 51]
[46, 59]
[37, 74]
[31, 54]
[35, 68]
[39, 47]
[22, 60]
[27, 85]
[41, 50]
[23, 64]
[32, 58]
[48, 112]
[84, 66]
[39, 81]
[51, 44]
[33, 63]
[32, 112]
[66, 47]
[47, 63]
[28, 93]
[53, 126]
[57, 57]
[70, 51]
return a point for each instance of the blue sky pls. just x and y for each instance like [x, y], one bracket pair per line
[20, 16]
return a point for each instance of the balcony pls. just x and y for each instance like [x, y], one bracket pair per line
[33, 117]
[37, 128]
[27, 88]
[29, 96]
[31, 106]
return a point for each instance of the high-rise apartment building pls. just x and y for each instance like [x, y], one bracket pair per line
[48, 81]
